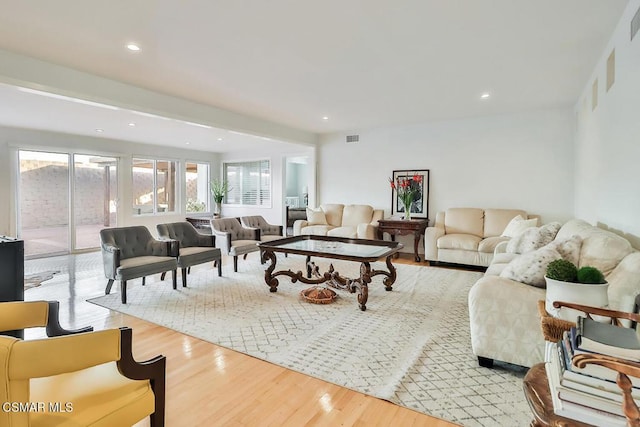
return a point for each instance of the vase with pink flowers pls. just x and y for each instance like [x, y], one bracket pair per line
[409, 191]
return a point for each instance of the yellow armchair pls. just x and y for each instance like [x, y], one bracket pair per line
[84, 379]
[17, 315]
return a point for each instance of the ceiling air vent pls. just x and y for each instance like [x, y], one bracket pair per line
[353, 138]
[635, 24]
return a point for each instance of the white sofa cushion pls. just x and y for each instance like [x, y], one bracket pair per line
[533, 238]
[569, 248]
[518, 225]
[465, 242]
[350, 232]
[600, 248]
[530, 268]
[496, 220]
[464, 221]
[489, 244]
[333, 213]
[626, 283]
[318, 230]
[353, 215]
[316, 216]
[603, 250]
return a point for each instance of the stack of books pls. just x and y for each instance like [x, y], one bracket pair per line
[591, 394]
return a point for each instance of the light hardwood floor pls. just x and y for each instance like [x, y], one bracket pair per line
[209, 385]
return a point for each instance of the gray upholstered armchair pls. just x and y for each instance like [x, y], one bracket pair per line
[132, 252]
[268, 232]
[234, 239]
[195, 248]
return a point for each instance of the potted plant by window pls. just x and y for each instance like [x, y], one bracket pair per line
[219, 189]
[565, 282]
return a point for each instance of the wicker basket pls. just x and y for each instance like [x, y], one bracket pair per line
[552, 327]
[318, 295]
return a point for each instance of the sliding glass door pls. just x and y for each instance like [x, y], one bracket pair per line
[44, 203]
[95, 192]
[64, 200]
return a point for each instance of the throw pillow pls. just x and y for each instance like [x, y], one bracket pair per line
[569, 248]
[530, 268]
[518, 225]
[533, 238]
[316, 217]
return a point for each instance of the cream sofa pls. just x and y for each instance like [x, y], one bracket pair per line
[467, 235]
[503, 313]
[352, 221]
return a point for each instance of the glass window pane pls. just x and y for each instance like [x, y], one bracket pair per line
[142, 186]
[166, 185]
[95, 197]
[197, 180]
[44, 202]
[234, 179]
[265, 183]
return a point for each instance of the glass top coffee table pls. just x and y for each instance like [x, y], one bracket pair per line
[358, 250]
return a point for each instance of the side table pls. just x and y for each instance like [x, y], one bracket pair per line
[201, 223]
[403, 227]
[536, 391]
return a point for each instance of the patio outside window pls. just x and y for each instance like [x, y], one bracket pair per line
[197, 179]
[154, 186]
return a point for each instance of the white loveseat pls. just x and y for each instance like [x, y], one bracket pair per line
[468, 235]
[352, 221]
[503, 313]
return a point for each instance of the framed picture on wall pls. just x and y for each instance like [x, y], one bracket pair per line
[414, 183]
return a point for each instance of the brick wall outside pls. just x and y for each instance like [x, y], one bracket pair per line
[44, 194]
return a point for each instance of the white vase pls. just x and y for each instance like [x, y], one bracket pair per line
[594, 295]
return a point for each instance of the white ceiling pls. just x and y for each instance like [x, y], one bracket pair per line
[362, 63]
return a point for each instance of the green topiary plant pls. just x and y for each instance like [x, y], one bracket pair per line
[562, 270]
[590, 275]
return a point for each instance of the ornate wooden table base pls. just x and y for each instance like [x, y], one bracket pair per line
[331, 277]
[359, 250]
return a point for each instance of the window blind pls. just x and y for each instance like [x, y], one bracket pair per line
[249, 183]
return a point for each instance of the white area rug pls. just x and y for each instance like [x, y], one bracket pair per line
[411, 346]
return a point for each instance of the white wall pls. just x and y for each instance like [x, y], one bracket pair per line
[607, 180]
[510, 161]
[12, 139]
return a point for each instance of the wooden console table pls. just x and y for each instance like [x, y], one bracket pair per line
[201, 223]
[403, 227]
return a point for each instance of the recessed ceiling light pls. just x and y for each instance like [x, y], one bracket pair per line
[99, 130]
[325, 118]
[219, 139]
[133, 47]
[485, 95]
[132, 124]
[187, 143]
